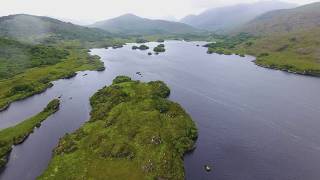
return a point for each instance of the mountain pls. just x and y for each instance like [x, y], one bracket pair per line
[286, 39]
[299, 19]
[30, 28]
[224, 19]
[133, 25]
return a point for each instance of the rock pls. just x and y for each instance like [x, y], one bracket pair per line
[117, 46]
[156, 140]
[207, 168]
[149, 53]
[38, 125]
[85, 75]
[101, 68]
[6, 106]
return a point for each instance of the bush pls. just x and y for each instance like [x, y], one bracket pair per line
[143, 47]
[21, 88]
[121, 79]
[140, 41]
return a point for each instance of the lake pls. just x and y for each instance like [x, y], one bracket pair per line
[254, 123]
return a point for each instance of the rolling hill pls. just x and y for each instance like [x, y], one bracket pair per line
[288, 40]
[31, 28]
[130, 24]
[224, 19]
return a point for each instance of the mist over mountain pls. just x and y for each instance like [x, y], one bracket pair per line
[31, 28]
[299, 19]
[133, 25]
[224, 19]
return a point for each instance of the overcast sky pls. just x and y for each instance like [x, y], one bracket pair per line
[87, 11]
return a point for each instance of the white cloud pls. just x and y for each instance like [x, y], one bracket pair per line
[92, 10]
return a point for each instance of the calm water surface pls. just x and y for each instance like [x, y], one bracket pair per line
[254, 123]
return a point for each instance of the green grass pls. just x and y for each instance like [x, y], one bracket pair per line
[134, 133]
[295, 52]
[18, 133]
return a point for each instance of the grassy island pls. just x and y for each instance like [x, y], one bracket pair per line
[134, 133]
[160, 48]
[20, 132]
[141, 47]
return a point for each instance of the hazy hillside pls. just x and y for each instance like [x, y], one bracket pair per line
[226, 18]
[16, 57]
[36, 28]
[284, 39]
[134, 25]
[302, 18]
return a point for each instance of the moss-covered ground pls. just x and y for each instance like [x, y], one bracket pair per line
[134, 133]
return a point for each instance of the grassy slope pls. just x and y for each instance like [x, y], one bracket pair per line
[134, 133]
[18, 133]
[294, 52]
[39, 29]
[16, 57]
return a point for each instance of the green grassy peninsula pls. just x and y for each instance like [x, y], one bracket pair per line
[134, 133]
[20, 132]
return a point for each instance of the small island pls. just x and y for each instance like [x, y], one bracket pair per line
[134, 132]
[141, 47]
[19, 133]
[160, 48]
[117, 46]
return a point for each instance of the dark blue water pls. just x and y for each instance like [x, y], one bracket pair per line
[254, 123]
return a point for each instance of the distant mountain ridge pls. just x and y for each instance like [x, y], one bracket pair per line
[131, 24]
[31, 28]
[303, 18]
[224, 19]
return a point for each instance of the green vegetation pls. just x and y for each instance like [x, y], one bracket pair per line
[141, 40]
[294, 52]
[287, 40]
[16, 57]
[134, 133]
[227, 44]
[160, 48]
[44, 50]
[39, 29]
[20, 132]
[37, 79]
